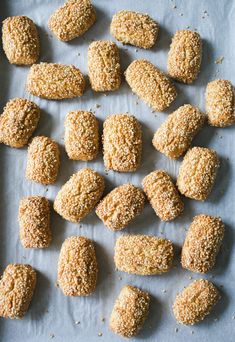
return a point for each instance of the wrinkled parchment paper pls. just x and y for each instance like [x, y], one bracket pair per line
[52, 315]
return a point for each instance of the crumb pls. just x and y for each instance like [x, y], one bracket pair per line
[51, 335]
[77, 322]
[190, 277]
[103, 319]
[119, 278]
[98, 105]
[100, 334]
[176, 330]
[192, 332]
[219, 60]
[136, 50]
[181, 14]
[164, 291]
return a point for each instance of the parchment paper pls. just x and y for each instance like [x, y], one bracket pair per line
[51, 314]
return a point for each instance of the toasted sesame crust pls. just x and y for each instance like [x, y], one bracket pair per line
[130, 311]
[134, 28]
[195, 302]
[150, 84]
[122, 143]
[197, 173]
[72, 19]
[55, 81]
[202, 243]
[16, 290]
[104, 66]
[18, 122]
[77, 267]
[79, 195]
[143, 254]
[121, 206]
[175, 135]
[185, 55]
[34, 220]
[163, 195]
[20, 40]
[81, 136]
[43, 160]
[220, 103]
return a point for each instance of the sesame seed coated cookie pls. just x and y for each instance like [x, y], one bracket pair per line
[195, 302]
[121, 206]
[77, 267]
[34, 220]
[16, 290]
[150, 84]
[143, 254]
[20, 40]
[43, 160]
[220, 103]
[163, 195]
[197, 173]
[104, 66]
[185, 55]
[175, 135]
[79, 195]
[72, 19]
[130, 311]
[81, 136]
[134, 28]
[202, 243]
[122, 143]
[18, 122]
[55, 81]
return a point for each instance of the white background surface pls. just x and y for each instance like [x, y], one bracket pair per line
[53, 313]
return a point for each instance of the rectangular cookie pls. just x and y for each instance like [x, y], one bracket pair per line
[16, 290]
[122, 143]
[77, 267]
[55, 81]
[104, 66]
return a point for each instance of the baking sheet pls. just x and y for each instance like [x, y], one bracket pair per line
[51, 314]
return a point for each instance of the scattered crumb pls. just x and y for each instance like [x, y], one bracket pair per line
[100, 334]
[181, 14]
[56, 284]
[103, 319]
[188, 27]
[219, 60]
[190, 277]
[78, 54]
[120, 278]
[164, 291]
[77, 322]
[98, 105]
[192, 332]
[136, 50]
[176, 330]
[233, 317]
[137, 103]
[51, 335]
[216, 319]
[174, 7]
